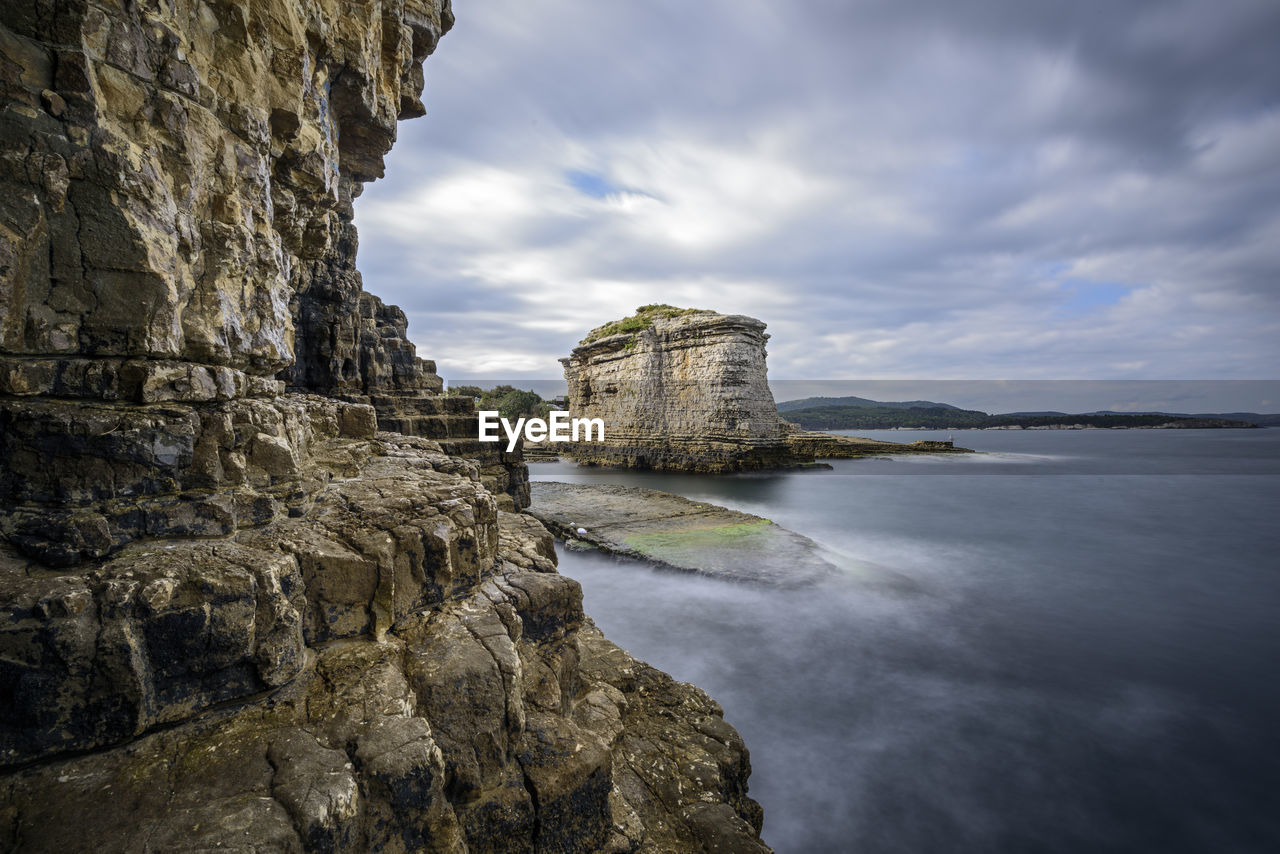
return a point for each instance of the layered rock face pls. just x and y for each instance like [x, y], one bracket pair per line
[236, 611]
[398, 669]
[176, 174]
[175, 225]
[685, 391]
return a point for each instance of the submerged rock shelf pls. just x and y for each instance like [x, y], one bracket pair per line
[677, 533]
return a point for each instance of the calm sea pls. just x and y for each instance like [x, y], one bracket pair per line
[1069, 644]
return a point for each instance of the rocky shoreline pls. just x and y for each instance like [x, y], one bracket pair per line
[829, 446]
[261, 586]
[466, 703]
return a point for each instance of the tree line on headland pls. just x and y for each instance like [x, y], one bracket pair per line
[876, 416]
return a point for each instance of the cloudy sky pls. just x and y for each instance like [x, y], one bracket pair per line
[991, 189]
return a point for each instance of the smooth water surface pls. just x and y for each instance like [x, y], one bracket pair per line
[1082, 655]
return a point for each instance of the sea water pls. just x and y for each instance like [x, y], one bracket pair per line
[1069, 643]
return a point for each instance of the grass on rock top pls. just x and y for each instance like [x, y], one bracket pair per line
[643, 319]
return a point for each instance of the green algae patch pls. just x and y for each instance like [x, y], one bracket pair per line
[739, 535]
[752, 549]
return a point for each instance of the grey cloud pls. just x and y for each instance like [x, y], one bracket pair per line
[961, 165]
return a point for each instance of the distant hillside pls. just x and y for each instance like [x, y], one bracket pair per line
[1261, 419]
[856, 413]
[814, 402]
[883, 417]
[1040, 414]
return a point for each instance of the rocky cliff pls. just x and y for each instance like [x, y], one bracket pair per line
[239, 607]
[678, 389]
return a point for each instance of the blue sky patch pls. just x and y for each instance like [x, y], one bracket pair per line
[591, 184]
[1083, 296]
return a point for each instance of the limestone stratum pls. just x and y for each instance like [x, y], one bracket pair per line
[681, 389]
[261, 586]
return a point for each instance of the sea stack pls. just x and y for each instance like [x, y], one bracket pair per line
[237, 611]
[677, 389]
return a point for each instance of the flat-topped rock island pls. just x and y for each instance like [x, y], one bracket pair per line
[677, 389]
[682, 389]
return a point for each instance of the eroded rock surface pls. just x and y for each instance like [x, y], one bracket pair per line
[259, 586]
[176, 239]
[678, 389]
[176, 174]
[399, 669]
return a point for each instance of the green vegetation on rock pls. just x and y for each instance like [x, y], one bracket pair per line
[511, 402]
[643, 319]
